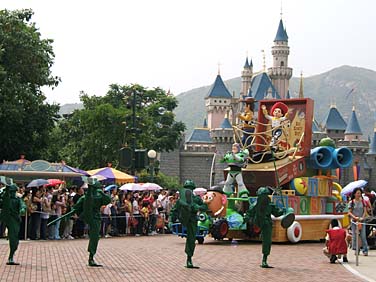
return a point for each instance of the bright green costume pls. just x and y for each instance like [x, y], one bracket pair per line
[88, 208]
[185, 210]
[260, 214]
[11, 207]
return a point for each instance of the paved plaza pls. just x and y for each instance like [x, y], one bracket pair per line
[162, 258]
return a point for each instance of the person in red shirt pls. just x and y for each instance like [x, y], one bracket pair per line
[336, 244]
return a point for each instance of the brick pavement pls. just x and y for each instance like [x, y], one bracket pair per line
[162, 258]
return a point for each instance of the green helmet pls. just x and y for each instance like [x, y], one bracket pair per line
[13, 188]
[262, 191]
[189, 184]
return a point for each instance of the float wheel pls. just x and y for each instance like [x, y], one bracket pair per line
[200, 240]
[294, 232]
[219, 229]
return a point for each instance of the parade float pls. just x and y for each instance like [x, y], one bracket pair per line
[280, 157]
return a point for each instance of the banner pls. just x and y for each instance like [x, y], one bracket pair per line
[356, 171]
[339, 173]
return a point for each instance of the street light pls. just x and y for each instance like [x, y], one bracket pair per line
[152, 155]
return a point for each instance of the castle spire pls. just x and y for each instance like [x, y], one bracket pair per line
[301, 86]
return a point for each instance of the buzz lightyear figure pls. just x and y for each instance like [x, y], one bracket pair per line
[235, 160]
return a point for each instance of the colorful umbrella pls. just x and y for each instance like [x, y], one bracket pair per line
[37, 183]
[199, 191]
[151, 186]
[131, 187]
[349, 188]
[112, 175]
[54, 182]
[110, 187]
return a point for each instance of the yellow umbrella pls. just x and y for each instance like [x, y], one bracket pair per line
[112, 175]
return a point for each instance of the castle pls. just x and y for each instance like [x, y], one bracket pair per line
[198, 157]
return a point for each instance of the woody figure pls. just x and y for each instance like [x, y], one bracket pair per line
[247, 125]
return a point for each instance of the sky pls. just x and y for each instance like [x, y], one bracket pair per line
[179, 45]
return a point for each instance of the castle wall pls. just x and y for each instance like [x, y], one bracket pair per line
[196, 166]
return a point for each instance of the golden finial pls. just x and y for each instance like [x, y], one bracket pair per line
[219, 68]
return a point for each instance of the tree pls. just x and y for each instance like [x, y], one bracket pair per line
[25, 66]
[94, 135]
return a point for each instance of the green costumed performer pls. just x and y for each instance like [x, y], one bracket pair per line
[260, 215]
[88, 208]
[185, 210]
[12, 207]
[235, 160]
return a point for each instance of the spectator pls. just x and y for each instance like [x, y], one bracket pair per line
[105, 220]
[35, 208]
[136, 214]
[357, 213]
[78, 226]
[336, 244]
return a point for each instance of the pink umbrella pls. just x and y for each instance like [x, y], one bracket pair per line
[151, 186]
[131, 187]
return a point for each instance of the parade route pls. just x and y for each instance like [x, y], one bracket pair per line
[162, 258]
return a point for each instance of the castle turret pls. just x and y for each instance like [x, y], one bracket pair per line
[353, 131]
[334, 125]
[246, 77]
[280, 73]
[217, 102]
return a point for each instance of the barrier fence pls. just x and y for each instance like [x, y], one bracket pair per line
[162, 214]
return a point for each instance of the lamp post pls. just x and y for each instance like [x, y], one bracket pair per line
[151, 155]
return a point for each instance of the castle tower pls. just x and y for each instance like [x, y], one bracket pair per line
[217, 103]
[280, 73]
[246, 78]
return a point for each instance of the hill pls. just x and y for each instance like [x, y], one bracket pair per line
[332, 87]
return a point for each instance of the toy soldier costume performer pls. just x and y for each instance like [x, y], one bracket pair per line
[11, 207]
[185, 210]
[88, 208]
[260, 214]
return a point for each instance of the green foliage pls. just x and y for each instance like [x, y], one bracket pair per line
[94, 135]
[25, 66]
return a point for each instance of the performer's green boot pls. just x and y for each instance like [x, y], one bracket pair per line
[264, 263]
[189, 263]
[11, 261]
[93, 263]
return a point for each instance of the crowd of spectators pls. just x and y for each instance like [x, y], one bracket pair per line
[129, 213]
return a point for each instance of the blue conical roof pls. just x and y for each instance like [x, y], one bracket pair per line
[288, 96]
[225, 123]
[353, 125]
[219, 89]
[260, 86]
[205, 124]
[315, 126]
[281, 33]
[200, 135]
[246, 65]
[251, 64]
[372, 146]
[334, 120]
